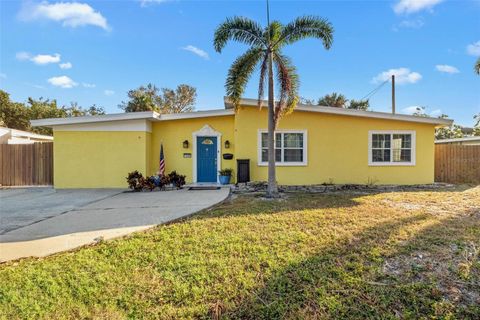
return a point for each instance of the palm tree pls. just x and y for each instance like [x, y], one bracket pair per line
[265, 51]
[477, 66]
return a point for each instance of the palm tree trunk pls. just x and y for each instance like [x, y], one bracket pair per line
[272, 188]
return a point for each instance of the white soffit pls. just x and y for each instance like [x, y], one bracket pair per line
[119, 125]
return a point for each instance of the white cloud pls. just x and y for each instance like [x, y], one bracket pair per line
[199, 52]
[145, 3]
[402, 76]
[66, 65]
[411, 109]
[412, 6]
[62, 82]
[436, 113]
[22, 56]
[474, 49]
[446, 68]
[33, 85]
[45, 58]
[40, 59]
[70, 14]
[109, 92]
[412, 24]
[88, 85]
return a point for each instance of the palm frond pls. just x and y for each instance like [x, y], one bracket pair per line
[288, 85]
[307, 27]
[273, 32]
[238, 29]
[240, 72]
[477, 66]
[263, 78]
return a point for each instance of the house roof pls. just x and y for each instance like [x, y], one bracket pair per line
[465, 139]
[351, 112]
[154, 116]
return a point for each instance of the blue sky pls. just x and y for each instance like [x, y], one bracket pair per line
[93, 52]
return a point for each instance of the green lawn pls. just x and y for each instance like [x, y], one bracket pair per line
[387, 255]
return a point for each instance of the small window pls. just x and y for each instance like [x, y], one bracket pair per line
[391, 148]
[289, 148]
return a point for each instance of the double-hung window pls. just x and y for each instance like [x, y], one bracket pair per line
[290, 148]
[391, 148]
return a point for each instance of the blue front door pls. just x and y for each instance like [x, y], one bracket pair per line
[206, 159]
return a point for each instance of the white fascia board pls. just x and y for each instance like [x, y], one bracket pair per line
[89, 119]
[147, 115]
[196, 114]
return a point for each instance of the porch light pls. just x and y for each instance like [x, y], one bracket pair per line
[227, 144]
[185, 144]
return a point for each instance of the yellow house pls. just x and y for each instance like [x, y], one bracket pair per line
[314, 145]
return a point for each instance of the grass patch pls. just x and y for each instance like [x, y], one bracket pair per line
[345, 255]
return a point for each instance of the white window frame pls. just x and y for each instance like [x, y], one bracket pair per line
[283, 164]
[392, 163]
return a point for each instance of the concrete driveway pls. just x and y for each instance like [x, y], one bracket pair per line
[39, 222]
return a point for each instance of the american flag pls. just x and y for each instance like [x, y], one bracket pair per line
[161, 170]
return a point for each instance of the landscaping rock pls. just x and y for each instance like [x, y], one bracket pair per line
[261, 186]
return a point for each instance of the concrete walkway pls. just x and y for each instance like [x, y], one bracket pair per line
[114, 215]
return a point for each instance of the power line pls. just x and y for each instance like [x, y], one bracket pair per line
[371, 93]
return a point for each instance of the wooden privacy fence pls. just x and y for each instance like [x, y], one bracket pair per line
[26, 164]
[457, 163]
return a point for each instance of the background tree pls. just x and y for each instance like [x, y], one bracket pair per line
[336, 100]
[420, 112]
[141, 99]
[477, 66]
[265, 51]
[476, 127]
[94, 110]
[451, 132]
[454, 131]
[148, 98]
[359, 104]
[13, 114]
[17, 115]
[179, 100]
[77, 111]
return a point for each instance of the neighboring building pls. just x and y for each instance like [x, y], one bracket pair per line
[13, 136]
[466, 131]
[315, 145]
[467, 141]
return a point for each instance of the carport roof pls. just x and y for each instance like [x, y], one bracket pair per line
[145, 115]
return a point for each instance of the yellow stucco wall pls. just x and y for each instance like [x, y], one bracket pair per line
[337, 149]
[91, 159]
[173, 133]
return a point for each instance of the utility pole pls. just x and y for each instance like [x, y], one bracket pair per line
[268, 18]
[393, 94]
